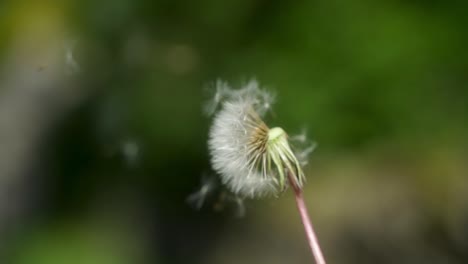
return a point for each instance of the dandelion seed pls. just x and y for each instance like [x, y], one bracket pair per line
[227, 199]
[71, 66]
[301, 137]
[303, 154]
[222, 91]
[239, 206]
[303, 147]
[131, 152]
[198, 198]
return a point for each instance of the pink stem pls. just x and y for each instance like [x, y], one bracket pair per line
[309, 230]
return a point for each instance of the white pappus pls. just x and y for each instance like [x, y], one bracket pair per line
[252, 159]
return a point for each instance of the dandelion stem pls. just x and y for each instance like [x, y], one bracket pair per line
[309, 230]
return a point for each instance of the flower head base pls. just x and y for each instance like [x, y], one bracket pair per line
[252, 159]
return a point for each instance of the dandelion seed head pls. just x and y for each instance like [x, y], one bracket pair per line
[253, 160]
[238, 139]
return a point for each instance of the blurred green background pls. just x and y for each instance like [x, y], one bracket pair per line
[103, 137]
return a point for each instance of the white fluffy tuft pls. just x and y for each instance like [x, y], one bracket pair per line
[231, 133]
